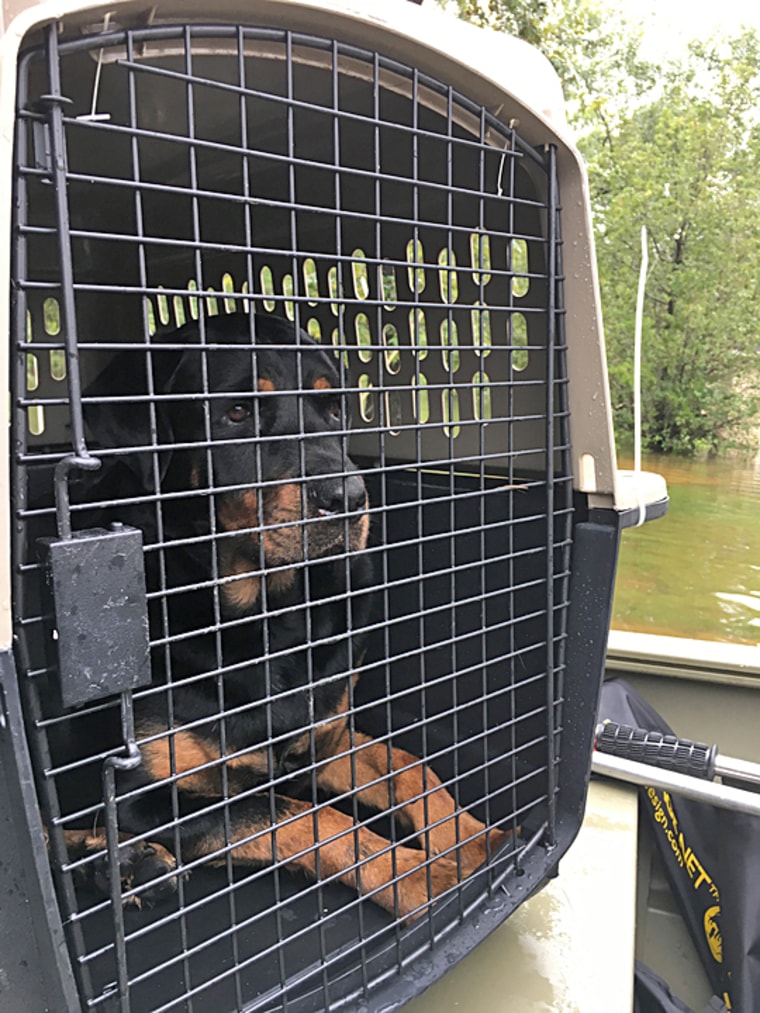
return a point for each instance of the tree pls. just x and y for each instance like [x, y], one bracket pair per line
[687, 166]
[677, 149]
[523, 18]
[595, 51]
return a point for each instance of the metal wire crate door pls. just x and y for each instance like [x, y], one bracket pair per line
[213, 172]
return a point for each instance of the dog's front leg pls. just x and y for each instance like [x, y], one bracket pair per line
[327, 845]
[385, 776]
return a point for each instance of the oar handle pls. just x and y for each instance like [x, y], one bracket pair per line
[664, 751]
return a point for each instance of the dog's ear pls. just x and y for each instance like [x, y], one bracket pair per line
[128, 420]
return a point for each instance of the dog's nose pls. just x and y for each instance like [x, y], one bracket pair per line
[345, 493]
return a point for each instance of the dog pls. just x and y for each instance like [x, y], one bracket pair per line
[228, 442]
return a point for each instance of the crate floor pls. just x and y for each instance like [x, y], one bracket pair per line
[215, 949]
[229, 948]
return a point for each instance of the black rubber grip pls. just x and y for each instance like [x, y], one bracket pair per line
[664, 751]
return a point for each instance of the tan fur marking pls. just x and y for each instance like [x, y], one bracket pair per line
[417, 793]
[322, 383]
[282, 534]
[242, 594]
[84, 842]
[190, 752]
[283, 506]
[359, 532]
[254, 761]
[283, 502]
[328, 735]
[265, 385]
[281, 582]
[325, 736]
[239, 511]
[353, 854]
[299, 745]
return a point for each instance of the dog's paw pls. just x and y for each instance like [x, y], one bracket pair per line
[144, 867]
[465, 839]
[479, 850]
[420, 889]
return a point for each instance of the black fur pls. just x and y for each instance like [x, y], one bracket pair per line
[226, 445]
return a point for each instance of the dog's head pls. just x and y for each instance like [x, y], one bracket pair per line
[253, 417]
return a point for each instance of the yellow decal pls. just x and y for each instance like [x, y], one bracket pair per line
[667, 799]
[664, 815]
[712, 933]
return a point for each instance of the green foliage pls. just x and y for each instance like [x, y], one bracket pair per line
[523, 18]
[592, 48]
[686, 165]
[675, 148]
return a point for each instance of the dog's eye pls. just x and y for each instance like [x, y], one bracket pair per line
[239, 413]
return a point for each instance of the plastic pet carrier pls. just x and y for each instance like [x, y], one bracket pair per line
[313, 505]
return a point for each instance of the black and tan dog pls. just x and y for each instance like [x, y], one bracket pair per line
[255, 521]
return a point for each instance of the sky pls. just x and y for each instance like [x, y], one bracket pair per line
[668, 22]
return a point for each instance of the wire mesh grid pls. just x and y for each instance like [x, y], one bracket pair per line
[292, 312]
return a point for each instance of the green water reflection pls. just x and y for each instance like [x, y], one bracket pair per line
[696, 572]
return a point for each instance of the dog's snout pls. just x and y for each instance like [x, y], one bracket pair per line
[341, 494]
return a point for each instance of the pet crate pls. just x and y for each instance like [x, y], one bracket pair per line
[399, 187]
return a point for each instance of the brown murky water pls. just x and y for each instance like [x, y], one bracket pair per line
[696, 572]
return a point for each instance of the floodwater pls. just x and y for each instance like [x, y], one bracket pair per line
[696, 572]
